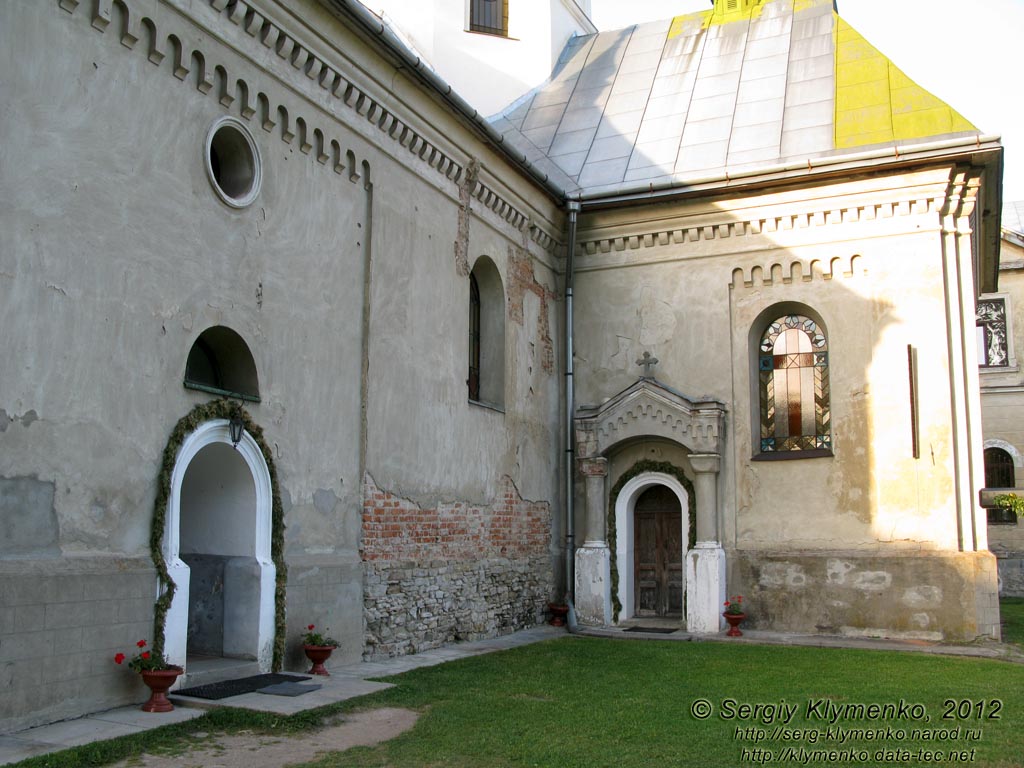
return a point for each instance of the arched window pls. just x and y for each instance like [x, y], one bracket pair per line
[794, 412]
[220, 363]
[486, 379]
[999, 474]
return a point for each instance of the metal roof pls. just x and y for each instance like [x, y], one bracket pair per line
[717, 94]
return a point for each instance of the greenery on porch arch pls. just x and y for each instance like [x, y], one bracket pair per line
[641, 467]
[217, 409]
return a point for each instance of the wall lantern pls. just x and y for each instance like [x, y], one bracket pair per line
[237, 428]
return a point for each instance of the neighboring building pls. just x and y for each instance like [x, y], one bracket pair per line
[285, 329]
[1000, 329]
[491, 51]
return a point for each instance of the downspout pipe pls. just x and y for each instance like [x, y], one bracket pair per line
[572, 208]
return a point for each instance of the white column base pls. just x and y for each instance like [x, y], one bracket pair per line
[594, 586]
[705, 588]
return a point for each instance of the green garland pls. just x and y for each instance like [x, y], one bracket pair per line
[217, 409]
[642, 466]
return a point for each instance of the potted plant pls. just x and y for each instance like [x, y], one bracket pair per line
[318, 649]
[734, 615]
[558, 613]
[1011, 504]
[156, 673]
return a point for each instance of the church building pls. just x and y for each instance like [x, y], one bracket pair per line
[296, 335]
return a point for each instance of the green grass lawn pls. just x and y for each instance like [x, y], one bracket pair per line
[590, 702]
[593, 702]
[1012, 612]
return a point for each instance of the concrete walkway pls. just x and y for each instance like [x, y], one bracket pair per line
[352, 681]
[344, 683]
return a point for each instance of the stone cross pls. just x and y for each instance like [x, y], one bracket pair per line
[647, 362]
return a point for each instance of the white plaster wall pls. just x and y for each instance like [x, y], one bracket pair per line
[488, 71]
[218, 504]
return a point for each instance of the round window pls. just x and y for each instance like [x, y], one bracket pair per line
[233, 162]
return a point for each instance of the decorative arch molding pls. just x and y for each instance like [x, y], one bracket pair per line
[647, 409]
[205, 424]
[621, 503]
[1018, 458]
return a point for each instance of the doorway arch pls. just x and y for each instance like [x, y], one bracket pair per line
[219, 516]
[625, 507]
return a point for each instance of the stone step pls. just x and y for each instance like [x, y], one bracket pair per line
[203, 670]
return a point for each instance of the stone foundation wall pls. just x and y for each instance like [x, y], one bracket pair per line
[453, 572]
[948, 596]
[1011, 574]
[61, 622]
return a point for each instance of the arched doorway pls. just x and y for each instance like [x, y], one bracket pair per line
[217, 546]
[658, 547]
[646, 509]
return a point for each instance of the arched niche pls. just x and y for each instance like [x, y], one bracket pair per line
[220, 509]
[220, 363]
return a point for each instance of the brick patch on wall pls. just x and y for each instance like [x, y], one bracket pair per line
[520, 280]
[456, 571]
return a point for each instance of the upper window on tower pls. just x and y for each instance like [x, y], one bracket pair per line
[489, 17]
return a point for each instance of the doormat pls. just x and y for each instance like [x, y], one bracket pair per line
[237, 687]
[289, 689]
[656, 630]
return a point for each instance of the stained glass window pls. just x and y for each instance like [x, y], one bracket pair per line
[793, 382]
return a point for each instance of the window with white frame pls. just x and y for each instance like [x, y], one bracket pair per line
[993, 337]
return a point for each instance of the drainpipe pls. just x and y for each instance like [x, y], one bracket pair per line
[572, 207]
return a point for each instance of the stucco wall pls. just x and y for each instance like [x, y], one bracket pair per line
[693, 285]
[343, 278]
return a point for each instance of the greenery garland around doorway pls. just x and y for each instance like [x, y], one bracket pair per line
[217, 409]
[641, 467]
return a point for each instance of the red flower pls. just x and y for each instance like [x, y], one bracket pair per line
[141, 643]
[726, 603]
[145, 654]
[119, 658]
[311, 627]
[739, 598]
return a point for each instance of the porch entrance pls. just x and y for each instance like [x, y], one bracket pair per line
[658, 553]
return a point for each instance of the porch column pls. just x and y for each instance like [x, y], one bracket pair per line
[705, 563]
[593, 559]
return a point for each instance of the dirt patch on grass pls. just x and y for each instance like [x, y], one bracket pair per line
[256, 750]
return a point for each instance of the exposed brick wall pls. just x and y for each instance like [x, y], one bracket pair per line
[456, 571]
[520, 280]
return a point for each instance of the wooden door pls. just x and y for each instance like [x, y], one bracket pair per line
[658, 553]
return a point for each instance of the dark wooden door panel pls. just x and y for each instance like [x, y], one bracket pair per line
[658, 554]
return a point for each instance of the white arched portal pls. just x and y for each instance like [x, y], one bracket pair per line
[242, 534]
[624, 507]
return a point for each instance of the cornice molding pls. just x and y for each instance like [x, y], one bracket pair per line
[798, 271]
[717, 227]
[190, 62]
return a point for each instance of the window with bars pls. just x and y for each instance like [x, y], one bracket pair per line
[999, 473]
[794, 398]
[489, 17]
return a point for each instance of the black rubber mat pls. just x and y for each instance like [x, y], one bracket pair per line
[656, 630]
[238, 687]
